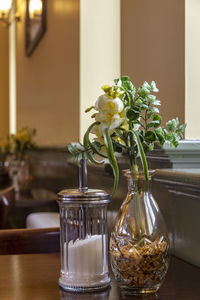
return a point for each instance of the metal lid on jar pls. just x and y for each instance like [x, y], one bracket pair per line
[83, 196]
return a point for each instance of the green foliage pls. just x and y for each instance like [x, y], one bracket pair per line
[77, 151]
[139, 133]
[143, 110]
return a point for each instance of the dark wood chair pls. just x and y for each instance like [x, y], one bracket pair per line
[7, 200]
[24, 241]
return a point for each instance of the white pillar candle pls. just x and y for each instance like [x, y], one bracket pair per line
[85, 262]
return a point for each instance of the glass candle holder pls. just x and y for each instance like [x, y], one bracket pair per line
[83, 240]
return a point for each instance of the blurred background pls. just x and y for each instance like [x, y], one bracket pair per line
[88, 43]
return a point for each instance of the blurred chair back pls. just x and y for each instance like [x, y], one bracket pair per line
[7, 199]
[24, 241]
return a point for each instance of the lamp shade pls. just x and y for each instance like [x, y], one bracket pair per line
[35, 8]
[5, 6]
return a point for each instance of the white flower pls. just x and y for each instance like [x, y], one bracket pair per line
[116, 122]
[97, 130]
[110, 113]
[110, 105]
[109, 120]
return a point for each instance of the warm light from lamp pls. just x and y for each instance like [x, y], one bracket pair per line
[35, 8]
[5, 6]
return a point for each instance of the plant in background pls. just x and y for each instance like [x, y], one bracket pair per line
[18, 144]
[126, 120]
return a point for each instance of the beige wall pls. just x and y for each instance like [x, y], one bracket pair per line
[48, 81]
[99, 52]
[4, 83]
[152, 35]
[192, 60]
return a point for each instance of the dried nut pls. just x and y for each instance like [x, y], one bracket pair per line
[142, 264]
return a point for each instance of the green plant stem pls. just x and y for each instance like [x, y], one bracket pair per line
[111, 158]
[145, 119]
[133, 165]
[142, 155]
[138, 216]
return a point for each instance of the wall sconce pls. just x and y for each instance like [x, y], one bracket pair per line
[36, 12]
[35, 9]
[5, 7]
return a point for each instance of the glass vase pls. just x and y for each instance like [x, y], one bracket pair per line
[19, 172]
[139, 244]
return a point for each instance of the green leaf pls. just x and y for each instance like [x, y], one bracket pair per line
[148, 147]
[157, 118]
[125, 78]
[77, 151]
[160, 136]
[132, 114]
[153, 124]
[75, 148]
[128, 86]
[155, 102]
[151, 98]
[150, 136]
[143, 92]
[181, 128]
[116, 81]
[142, 155]
[171, 125]
[137, 122]
[146, 85]
[153, 87]
[138, 101]
[152, 111]
[111, 158]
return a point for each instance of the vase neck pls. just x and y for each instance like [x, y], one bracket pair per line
[137, 182]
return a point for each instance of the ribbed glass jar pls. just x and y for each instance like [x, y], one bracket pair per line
[139, 244]
[83, 240]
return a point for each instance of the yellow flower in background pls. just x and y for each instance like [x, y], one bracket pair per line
[19, 143]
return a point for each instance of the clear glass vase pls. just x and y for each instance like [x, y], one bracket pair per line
[139, 244]
[19, 172]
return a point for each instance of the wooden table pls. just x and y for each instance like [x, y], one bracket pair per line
[35, 277]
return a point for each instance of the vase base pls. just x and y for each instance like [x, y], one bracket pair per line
[131, 291]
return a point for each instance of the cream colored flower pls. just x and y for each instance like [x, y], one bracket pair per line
[110, 112]
[109, 120]
[109, 105]
[99, 136]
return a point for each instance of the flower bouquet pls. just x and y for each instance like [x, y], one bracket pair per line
[14, 149]
[127, 120]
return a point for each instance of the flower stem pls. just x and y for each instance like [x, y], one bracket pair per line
[134, 166]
